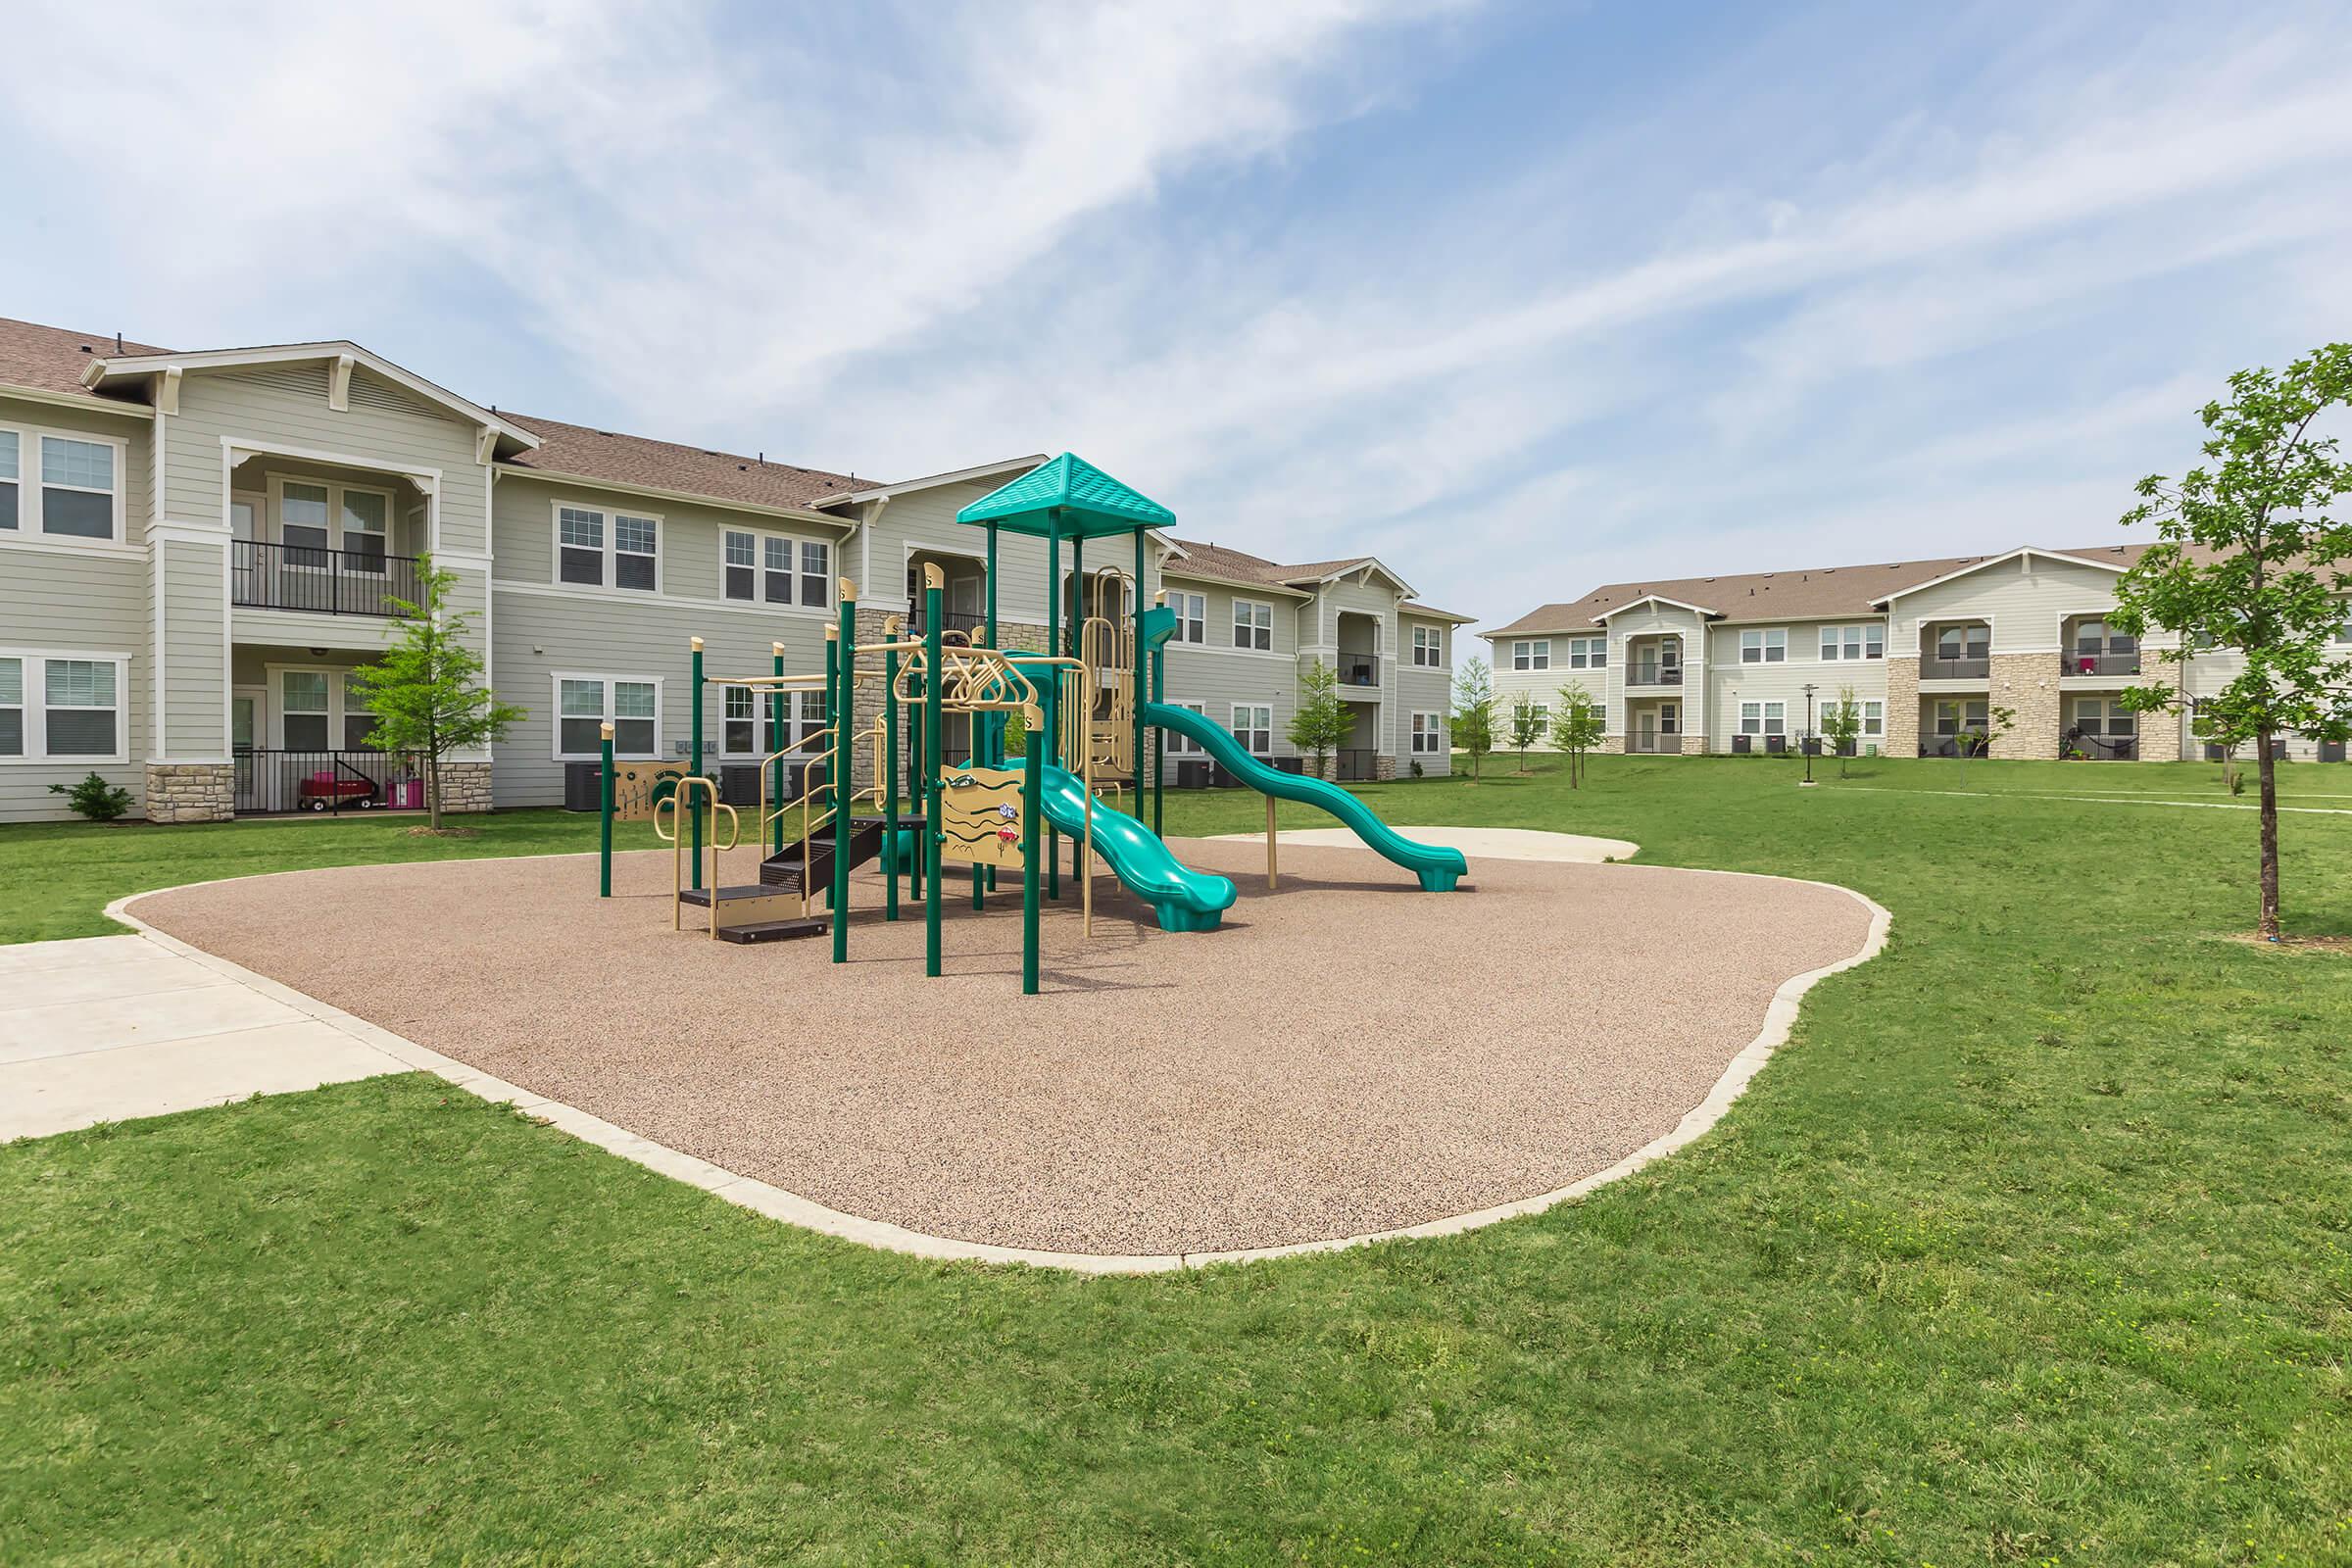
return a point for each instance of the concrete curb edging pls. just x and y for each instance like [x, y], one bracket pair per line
[747, 1192]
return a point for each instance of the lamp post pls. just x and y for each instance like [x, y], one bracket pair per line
[1809, 742]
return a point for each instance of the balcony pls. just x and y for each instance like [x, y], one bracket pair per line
[321, 582]
[327, 783]
[1648, 673]
[1359, 670]
[1979, 668]
[1358, 765]
[1650, 743]
[2099, 663]
[969, 622]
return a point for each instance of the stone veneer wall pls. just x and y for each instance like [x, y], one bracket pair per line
[1903, 707]
[465, 786]
[191, 792]
[866, 706]
[2027, 683]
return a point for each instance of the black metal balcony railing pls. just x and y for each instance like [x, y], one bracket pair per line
[328, 782]
[1976, 668]
[1358, 766]
[1359, 670]
[970, 622]
[327, 582]
[1652, 742]
[1653, 674]
[2093, 663]
[1950, 746]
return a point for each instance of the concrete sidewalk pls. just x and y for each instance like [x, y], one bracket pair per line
[108, 1028]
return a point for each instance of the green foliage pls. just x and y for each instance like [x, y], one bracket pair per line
[426, 691]
[1998, 722]
[1578, 726]
[1017, 733]
[94, 798]
[1842, 725]
[2249, 558]
[1323, 720]
[1472, 725]
[1527, 726]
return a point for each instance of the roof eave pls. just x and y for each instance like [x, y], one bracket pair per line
[699, 498]
[106, 368]
[883, 492]
[2020, 553]
[72, 400]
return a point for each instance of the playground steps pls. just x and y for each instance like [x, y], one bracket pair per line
[772, 930]
[753, 904]
[865, 842]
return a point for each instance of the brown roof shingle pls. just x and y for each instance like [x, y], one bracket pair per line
[635, 460]
[1805, 594]
[51, 359]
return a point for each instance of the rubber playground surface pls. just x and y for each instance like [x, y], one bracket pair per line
[1346, 1054]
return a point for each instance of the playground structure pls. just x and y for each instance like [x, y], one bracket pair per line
[1085, 705]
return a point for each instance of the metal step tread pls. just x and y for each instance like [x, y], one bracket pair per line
[751, 931]
[701, 897]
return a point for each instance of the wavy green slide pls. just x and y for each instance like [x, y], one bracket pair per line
[1437, 866]
[1185, 899]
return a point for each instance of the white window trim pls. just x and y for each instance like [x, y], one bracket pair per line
[1430, 640]
[1179, 599]
[31, 515]
[760, 600]
[1539, 654]
[36, 704]
[1832, 641]
[607, 583]
[555, 715]
[1763, 637]
[1426, 733]
[1595, 653]
[795, 721]
[271, 520]
[271, 726]
[1177, 744]
[1237, 727]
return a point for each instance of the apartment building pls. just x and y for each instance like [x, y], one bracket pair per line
[201, 546]
[1741, 662]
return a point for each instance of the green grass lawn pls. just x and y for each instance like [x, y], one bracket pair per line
[2035, 1245]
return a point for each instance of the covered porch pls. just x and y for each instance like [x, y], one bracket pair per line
[323, 539]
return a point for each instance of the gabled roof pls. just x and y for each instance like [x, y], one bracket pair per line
[1196, 560]
[900, 487]
[1318, 573]
[49, 361]
[1815, 593]
[1070, 498]
[1432, 612]
[582, 452]
[1703, 610]
[115, 368]
[2022, 552]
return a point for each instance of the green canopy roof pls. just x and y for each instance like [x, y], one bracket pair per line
[1069, 496]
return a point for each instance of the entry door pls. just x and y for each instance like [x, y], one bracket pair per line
[963, 600]
[248, 725]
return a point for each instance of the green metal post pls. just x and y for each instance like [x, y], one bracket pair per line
[1052, 724]
[931, 832]
[832, 756]
[604, 886]
[776, 700]
[995, 722]
[1135, 679]
[694, 764]
[1086, 718]
[845, 687]
[1160, 741]
[1032, 780]
[890, 766]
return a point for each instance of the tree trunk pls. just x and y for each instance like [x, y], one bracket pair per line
[2266, 764]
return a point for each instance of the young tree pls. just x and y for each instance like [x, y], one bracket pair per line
[1842, 725]
[1323, 719]
[426, 691]
[2247, 557]
[1577, 729]
[1998, 722]
[1473, 722]
[1527, 726]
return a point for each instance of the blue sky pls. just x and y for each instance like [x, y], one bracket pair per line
[1521, 297]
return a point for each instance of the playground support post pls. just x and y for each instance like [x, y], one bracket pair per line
[1052, 724]
[934, 580]
[775, 727]
[604, 885]
[889, 768]
[1032, 781]
[833, 642]
[1135, 690]
[1270, 844]
[845, 692]
[694, 763]
[1159, 737]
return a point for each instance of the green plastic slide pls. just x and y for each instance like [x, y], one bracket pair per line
[1436, 866]
[1185, 899]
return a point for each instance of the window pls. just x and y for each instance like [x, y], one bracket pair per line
[1853, 642]
[1874, 718]
[78, 488]
[1254, 726]
[367, 515]
[1767, 646]
[585, 703]
[1587, 652]
[302, 524]
[1252, 625]
[747, 721]
[2094, 637]
[303, 724]
[635, 553]
[628, 556]
[1429, 733]
[1670, 718]
[11, 480]
[1763, 718]
[1535, 655]
[1182, 745]
[1429, 648]
[2103, 717]
[1963, 642]
[1953, 716]
[62, 705]
[1192, 618]
[358, 722]
[759, 567]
